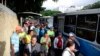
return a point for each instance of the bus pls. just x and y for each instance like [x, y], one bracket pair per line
[86, 25]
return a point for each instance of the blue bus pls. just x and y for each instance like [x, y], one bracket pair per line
[86, 25]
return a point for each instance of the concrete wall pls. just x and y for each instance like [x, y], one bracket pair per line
[8, 22]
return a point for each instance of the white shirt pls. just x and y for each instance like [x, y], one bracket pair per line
[56, 41]
[67, 52]
[32, 27]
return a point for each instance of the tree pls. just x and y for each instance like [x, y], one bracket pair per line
[29, 5]
[49, 12]
[92, 6]
[26, 5]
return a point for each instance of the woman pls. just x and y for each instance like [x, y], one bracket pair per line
[29, 35]
[46, 43]
[69, 51]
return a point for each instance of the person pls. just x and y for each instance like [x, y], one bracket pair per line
[22, 42]
[42, 31]
[28, 36]
[58, 45]
[25, 26]
[15, 41]
[46, 43]
[72, 37]
[22, 34]
[34, 48]
[32, 27]
[37, 29]
[22, 47]
[69, 50]
[46, 26]
[51, 34]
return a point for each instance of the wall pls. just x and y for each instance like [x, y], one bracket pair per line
[8, 22]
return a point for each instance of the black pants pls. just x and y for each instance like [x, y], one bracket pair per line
[58, 52]
[17, 54]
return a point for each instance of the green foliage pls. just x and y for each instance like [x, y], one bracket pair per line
[49, 12]
[92, 6]
[26, 5]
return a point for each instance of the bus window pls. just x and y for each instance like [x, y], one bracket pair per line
[86, 34]
[55, 22]
[69, 24]
[87, 21]
[70, 20]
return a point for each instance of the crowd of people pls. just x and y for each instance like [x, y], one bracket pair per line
[34, 39]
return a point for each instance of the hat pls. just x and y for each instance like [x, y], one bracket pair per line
[71, 34]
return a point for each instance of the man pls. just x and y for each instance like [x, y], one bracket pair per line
[72, 37]
[58, 44]
[22, 42]
[15, 42]
[69, 51]
[34, 48]
[51, 32]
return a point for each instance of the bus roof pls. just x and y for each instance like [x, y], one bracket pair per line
[89, 11]
[81, 12]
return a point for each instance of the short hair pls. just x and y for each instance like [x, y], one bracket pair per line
[34, 36]
[70, 43]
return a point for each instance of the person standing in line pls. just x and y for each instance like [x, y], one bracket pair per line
[22, 42]
[51, 33]
[37, 30]
[25, 27]
[72, 37]
[69, 50]
[46, 26]
[32, 26]
[29, 36]
[15, 41]
[34, 48]
[42, 31]
[58, 45]
[46, 43]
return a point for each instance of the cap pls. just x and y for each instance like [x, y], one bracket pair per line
[71, 34]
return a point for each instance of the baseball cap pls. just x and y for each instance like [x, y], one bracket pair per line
[71, 34]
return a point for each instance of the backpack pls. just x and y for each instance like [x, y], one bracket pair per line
[59, 44]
